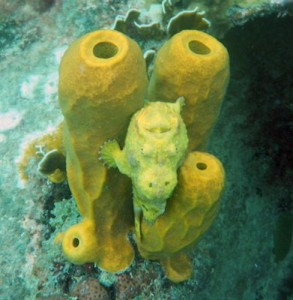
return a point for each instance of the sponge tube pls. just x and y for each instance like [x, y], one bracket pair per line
[194, 65]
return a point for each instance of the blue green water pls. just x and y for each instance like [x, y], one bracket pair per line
[247, 253]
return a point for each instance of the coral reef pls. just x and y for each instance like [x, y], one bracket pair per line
[97, 98]
[187, 20]
[160, 21]
[135, 284]
[90, 289]
[249, 244]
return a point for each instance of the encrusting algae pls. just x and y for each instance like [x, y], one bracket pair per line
[176, 189]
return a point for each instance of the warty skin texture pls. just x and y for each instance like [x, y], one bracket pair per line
[155, 147]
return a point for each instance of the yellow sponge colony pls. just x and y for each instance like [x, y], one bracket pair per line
[194, 65]
[102, 82]
[102, 78]
[189, 214]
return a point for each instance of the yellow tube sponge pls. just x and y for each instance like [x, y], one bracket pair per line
[194, 65]
[79, 242]
[189, 214]
[102, 82]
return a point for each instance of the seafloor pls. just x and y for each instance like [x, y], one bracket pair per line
[247, 253]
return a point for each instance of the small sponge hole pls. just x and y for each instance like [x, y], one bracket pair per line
[201, 166]
[75, 242]
[198, 47]
[105, 50]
